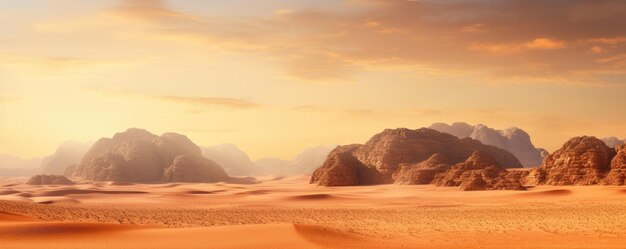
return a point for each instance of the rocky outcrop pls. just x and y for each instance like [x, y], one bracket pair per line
[422, 172]
[232, 159]
[479, 172]
[581, 161]
[189, 168]
[617, 173]
[67, 154]
[402, 156]
[341, 168]
[69, 171]
[514, 140]
[137, 155]
[49, 180]
[613, 141]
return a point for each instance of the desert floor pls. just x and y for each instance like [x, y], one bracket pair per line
[289, 213]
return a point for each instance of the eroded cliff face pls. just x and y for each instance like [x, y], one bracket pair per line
[478, 172]
[137, 155]
[341, 168]
[581, 161]
[617, 173]
[403, 156]
[513, 139]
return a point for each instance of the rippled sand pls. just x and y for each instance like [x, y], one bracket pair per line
[288, 213]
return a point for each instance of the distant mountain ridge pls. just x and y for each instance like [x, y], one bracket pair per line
[512, 139]
[234, 160]
[304, 163]
[613, 141]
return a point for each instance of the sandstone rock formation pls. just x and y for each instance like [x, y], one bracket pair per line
[479, 172]
[341, 168]
[68, 153]
[232, 159]
[513, 139]
[613, 141]
[402, 156]
[137, 155]
[617, 173]
[49, 180]
[423, 172]
[189, 168]
[581, 161]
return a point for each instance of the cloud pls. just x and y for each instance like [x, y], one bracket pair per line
[211, 101]
[545, 43]
[509, 41]
[194, 101]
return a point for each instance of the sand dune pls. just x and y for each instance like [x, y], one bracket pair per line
[288, 213]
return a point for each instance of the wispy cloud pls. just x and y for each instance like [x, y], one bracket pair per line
[197, 102]
[211, 101]
[535, 41]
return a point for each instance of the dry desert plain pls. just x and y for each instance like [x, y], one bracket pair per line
[290, 213]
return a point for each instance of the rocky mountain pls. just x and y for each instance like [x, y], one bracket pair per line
[617, 173]
[67, 154]
[581, 161]
[16, 166]
[409, 156]
[137, 155]
[513, 139]
[190, 168]
[480, 171]
[310, 159]
[304, 163]
[232, 159]
[274, 166]
[613, 141]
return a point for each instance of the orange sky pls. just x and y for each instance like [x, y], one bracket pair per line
[277, 76]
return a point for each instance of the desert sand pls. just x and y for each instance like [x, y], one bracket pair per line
[289, 213]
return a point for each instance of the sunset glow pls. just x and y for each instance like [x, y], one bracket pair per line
[275, 77]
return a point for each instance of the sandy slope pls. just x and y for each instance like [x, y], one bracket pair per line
[288, 213]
